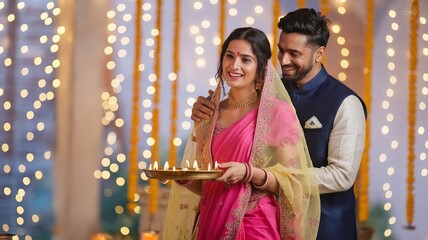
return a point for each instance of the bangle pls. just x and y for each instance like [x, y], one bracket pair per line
[246, 172]
[249, 173]
[184, 183]
[265, 184]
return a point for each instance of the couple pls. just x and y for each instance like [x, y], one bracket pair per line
[269, 188]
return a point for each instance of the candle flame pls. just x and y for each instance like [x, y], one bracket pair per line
[187, 164]
[216, 165]
[195, 165]
[166, 166]
[150, 166]
[173, 168]
[155, 166]
[209, 166]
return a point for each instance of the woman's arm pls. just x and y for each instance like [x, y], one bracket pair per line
[194, 186]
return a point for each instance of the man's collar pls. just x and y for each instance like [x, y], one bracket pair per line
[314, 82]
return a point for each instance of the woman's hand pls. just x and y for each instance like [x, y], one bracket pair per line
[233, 172]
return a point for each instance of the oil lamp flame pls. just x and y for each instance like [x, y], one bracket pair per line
[173, 168]
[209, 166]
[185, 168]
[195, 165]
[166, 166]
[155, 166]
[216, 165]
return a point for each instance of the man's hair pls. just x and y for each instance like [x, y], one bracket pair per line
[308, 22]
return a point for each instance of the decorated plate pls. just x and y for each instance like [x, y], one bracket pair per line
[183, 174]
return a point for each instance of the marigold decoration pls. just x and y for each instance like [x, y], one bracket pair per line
[154, 184]
[222, 23]
[276, 6]
[324, 7]
[413, 49]
[172, 155]
[135, 119]
[363, 180]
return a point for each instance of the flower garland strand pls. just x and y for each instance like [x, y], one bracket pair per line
[414, 17]
[222, 23]
[276, 6]
[363, 183]
[301, 3]
[172, 156]
[324, 7]
[135, 119]
[154, 184]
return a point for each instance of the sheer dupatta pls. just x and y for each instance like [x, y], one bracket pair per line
[279, 146]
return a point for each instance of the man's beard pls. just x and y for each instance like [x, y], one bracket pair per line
[300, 73]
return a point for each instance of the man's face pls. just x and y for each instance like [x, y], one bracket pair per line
[296, 58]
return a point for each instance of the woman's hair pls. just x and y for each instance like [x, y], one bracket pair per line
[259, 45]
[308, 22]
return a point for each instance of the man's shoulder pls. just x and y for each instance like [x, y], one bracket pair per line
[337, 83]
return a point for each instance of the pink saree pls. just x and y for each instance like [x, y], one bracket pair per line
[269, 138]
[222, 203]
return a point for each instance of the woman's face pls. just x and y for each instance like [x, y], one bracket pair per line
[239, 65]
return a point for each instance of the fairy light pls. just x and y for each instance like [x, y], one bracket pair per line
[363, 178]
[29, 41]
[424, 90]
[389, 117]
[341, 41]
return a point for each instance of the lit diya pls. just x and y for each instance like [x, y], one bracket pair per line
[183, 173]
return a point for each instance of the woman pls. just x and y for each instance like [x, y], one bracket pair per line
[266, 190]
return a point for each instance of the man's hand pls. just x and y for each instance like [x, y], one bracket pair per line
[203, 108]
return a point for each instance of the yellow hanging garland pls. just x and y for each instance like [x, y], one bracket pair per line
[172, 156]
[154, 184]
[222, 23]
[135, 119]
[324, 7]
[301, 3]
[363, 183]
[276, 6]
[414, 17]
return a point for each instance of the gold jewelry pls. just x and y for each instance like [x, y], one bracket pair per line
[242, 103]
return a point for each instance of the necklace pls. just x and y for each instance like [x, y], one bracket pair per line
[242, 103]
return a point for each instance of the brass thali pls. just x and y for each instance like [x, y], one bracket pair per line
[183, 174]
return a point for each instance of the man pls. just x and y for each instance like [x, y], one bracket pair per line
[332, 117]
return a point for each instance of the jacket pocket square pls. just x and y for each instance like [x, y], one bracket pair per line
[313, 123]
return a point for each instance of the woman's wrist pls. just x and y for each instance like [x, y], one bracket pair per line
[265, 183]
[248, 173]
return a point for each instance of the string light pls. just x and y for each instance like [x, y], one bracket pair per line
[424, 90]
[363, 180]
[25, 127]
[389, 38]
